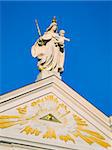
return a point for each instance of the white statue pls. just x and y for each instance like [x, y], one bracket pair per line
[60, 38]
[49, 49]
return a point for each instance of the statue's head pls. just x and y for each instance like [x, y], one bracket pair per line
[62, 33]
[53, 25]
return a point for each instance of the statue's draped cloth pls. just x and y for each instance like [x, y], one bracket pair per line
[50, 56]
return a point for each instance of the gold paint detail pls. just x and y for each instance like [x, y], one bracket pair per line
[8, 117]
[66, 138]
[50, 117]
[30, 130]
[96, 134]
[6, 124]
[100, 142]
[46, 98]
[22, 110]
[91, 137]
[63, 124]
[8, 121]
[50, 134]
[80, 121]
[84, 137]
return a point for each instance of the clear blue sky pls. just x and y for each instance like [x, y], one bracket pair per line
[88, 61]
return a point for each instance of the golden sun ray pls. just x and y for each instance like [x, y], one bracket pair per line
[8, 117]
[51, 109]
[100, 142]
[50, 133]
[85, 138]
[66, 138]
[91, 136]
[6, 124]
[93, 133]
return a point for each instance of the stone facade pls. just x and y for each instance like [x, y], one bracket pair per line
[50, 115]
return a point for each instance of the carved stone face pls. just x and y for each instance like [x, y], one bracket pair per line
[54, 28]
[62, 34]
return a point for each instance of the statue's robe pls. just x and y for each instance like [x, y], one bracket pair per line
[50, 55]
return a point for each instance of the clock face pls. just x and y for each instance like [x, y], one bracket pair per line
[50, 118]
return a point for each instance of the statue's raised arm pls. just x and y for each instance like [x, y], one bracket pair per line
[49, 49]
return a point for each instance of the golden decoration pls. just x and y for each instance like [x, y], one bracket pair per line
[56, 119]
[22, 110]
[50, 134]
[80, 122]
[42, 100]
[85, 138]
[8, 117]
[89, 136]
[30, 130]
[50, 117]
[6, 124]
[66, 138]
[100, 142]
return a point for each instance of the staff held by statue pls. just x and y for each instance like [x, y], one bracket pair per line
[40, 41]
[38, 29]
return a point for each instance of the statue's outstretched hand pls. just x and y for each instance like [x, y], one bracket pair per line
[66, 39]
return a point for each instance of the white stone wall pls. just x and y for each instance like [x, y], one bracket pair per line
[16, 147]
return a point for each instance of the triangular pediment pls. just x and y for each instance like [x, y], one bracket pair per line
[48, 116]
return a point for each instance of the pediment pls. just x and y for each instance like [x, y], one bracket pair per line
[50, 119]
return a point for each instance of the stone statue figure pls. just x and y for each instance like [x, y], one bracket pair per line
[49, 49]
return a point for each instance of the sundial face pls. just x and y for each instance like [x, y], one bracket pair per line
[49, 118]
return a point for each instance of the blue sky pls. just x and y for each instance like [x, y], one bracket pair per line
[88, 61]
